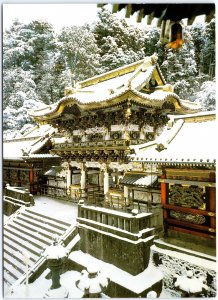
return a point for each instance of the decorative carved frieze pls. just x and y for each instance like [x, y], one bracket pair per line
[196, 219]
[191, 196]
[120, 167]
[139, 116]
[90, 164]
[95, 130]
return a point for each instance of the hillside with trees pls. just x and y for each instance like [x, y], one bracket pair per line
[38, 63]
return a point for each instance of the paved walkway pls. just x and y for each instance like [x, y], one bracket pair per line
[56, 208]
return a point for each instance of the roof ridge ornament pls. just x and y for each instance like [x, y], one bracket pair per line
[160, 147]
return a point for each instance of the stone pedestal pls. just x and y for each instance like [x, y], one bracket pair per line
[55, 255]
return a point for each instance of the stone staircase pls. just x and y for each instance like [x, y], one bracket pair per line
[29, 231]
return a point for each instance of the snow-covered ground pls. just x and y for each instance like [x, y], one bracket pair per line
[56, 208]
[40, 286]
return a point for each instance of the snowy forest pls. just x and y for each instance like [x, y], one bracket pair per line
[37, 61]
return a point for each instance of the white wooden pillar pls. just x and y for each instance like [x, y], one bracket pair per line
[126, 194]
[68, 177]
[83, 179]
[106, 182]
[83, 182]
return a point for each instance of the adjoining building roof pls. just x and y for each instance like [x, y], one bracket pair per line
[126, 83]
[186, 140]
[29, 144]
[139, 180]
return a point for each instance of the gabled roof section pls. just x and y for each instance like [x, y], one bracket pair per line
[130, 82]
[186, 140]
[29, 144]
[130, 71]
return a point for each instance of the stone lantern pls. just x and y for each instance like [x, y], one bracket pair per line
[92, 283]
[190, 286]
[55, 255]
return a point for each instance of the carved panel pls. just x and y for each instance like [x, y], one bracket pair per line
[171, 266]
[191, 196]
[196, 219]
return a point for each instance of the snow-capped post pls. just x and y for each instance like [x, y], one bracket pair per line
[135, 221]
[151, 295]
[92, 283]
[55, 255]
[191, 286]
[80, 203]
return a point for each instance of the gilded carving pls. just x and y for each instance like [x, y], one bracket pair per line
[196, 219]
[186, 196]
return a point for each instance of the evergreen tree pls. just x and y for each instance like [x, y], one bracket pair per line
[180, 68]
[206, 95]
[209, 49]
[79, 52]
[37, 62]
[119, 43]
[197, 35]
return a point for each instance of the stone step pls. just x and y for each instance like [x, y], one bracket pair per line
[48, 217]
[23, 244]
[35, 242]
[9, 253]
[40, 225]
[23, 223]
[8, 278]
[28, 231]
[34, 234]
[12, 273]
[12, 270]
[12, 250]
[44, 220]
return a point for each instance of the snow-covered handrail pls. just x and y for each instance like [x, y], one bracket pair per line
[42, 258]
[14, 215]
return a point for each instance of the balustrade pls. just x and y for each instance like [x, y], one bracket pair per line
[121, 220]
[16, 194]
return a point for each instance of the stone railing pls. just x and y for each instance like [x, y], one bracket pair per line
[130, 222]
[15, 197]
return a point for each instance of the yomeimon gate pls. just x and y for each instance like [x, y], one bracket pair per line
[98, 121]
[140, 161]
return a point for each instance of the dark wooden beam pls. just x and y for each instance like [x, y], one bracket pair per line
[190, 225]
[200, 234]
[190, 210]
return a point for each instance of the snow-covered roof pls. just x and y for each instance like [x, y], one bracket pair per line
[29, 144]
[139, 180]
[185, 140]
[116, 86]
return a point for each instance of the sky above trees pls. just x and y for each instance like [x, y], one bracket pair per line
[60, 15]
